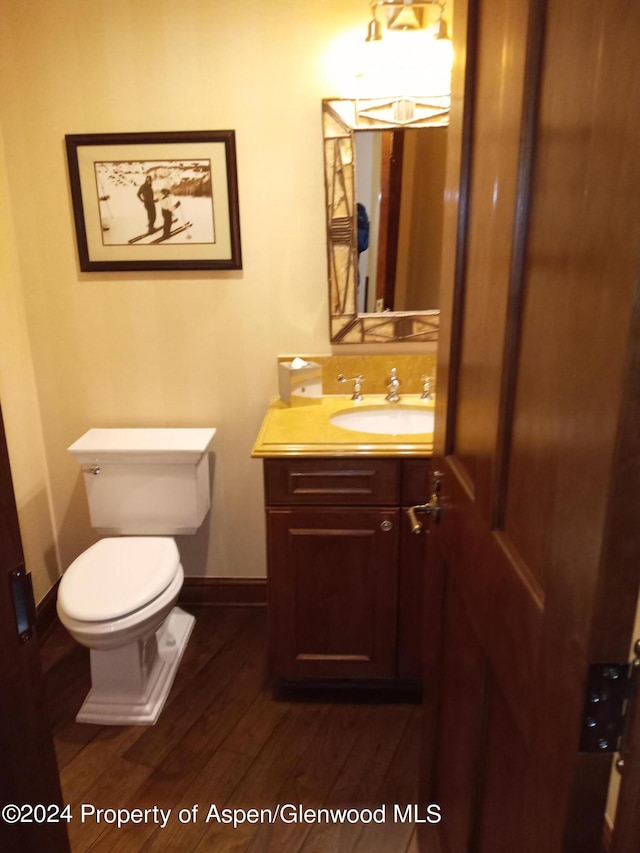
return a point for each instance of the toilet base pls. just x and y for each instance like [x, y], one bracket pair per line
[143, 709]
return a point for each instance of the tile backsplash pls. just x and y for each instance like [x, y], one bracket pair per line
[375, 369]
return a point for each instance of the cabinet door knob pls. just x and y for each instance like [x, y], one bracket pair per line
[386, 526]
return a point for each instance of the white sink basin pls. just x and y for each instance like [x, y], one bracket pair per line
[386, 420]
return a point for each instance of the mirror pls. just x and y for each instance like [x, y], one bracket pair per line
[384, 179]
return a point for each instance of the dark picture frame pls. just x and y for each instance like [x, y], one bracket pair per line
[155, 201]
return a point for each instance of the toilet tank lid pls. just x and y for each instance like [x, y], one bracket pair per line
[118, 575]
[186, 444]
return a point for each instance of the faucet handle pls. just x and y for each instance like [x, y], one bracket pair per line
[427, 388]
[393, 377]
[394, 383]
[357, 384]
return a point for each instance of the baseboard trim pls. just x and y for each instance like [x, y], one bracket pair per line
[230, 591]
[46, 615]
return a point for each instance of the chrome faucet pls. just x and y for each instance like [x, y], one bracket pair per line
[394, 383]
[357, 385]
[427, 388]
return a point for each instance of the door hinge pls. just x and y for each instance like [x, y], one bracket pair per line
[23, 604]
[609, 692]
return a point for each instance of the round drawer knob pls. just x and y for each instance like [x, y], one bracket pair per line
[386, 525]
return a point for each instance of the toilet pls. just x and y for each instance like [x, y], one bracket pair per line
[118, 598]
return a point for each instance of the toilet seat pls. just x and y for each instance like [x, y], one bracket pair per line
[129, 628]
[118, 576]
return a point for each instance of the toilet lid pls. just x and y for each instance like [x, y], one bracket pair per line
[117, 576]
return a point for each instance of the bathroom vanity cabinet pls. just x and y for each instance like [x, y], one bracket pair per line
[345, 571]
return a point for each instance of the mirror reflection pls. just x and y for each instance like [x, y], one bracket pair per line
[384, 180]
[399, 199]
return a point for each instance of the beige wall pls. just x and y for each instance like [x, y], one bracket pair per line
[192, 349]
[21, 412]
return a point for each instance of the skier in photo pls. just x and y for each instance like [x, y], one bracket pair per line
[167, 204]
[145, 194]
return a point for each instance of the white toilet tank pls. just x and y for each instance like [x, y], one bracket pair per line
[146, 482]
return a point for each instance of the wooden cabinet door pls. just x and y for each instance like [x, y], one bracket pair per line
[417, 602]
[412, 608]
[537, 439]
[333, 592]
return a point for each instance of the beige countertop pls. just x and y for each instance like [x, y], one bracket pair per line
[304, 429]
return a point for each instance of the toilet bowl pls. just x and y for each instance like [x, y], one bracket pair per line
[117, 599]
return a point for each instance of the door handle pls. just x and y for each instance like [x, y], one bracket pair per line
[432, 508]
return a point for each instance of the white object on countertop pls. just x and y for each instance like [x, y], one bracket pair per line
[303, 380]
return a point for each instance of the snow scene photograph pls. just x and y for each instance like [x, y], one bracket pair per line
[155, 202]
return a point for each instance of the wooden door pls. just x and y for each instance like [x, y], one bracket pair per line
[29, 773]
[537, 444]
[392, 159]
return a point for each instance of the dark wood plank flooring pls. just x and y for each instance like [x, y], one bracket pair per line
[225, 739]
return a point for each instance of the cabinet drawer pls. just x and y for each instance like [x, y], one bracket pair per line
[359, 482]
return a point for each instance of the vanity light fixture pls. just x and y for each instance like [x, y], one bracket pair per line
[404, 15]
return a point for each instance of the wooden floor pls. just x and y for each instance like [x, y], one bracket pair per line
[225, 740]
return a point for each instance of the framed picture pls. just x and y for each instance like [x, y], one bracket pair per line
[155, 201]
